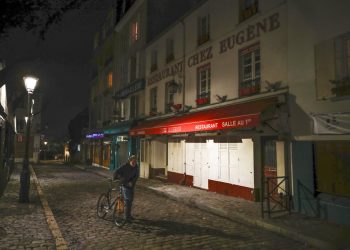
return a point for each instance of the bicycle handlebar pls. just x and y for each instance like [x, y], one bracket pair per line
[113, 180]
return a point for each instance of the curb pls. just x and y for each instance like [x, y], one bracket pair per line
[60, 242]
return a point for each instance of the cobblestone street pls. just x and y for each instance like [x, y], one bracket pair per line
[160, 223]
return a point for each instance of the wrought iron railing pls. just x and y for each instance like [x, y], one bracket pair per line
[276, 198]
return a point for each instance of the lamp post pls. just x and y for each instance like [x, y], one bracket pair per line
[30, 83]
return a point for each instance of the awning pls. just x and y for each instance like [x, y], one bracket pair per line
[244, 115]
[118, 129]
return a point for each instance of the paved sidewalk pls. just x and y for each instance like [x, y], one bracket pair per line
[23, 225]
[318, 233]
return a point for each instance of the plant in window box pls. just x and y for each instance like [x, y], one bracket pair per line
[176, 107]
[341, 87]
[249, 90]
[202, 101]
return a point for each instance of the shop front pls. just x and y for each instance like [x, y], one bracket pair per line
[218, 149]
[94, 146]
[121, 145]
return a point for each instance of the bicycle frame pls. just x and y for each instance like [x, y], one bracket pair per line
[107, 203]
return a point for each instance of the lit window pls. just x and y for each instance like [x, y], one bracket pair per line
[203, 85]
[203, 29]
[249, 70]
[135, 32]
[110, 79]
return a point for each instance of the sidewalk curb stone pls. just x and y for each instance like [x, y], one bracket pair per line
[60, 242]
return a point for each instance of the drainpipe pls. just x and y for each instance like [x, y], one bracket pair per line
[183, 89]
[184, 64]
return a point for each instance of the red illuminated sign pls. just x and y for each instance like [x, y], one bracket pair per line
[242, 121]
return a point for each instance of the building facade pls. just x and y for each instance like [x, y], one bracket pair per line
[136, 22]
[255, 93]
[244, 98]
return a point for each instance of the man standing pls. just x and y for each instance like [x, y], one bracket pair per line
[128, 175]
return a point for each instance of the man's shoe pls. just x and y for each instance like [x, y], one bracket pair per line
[129, 219]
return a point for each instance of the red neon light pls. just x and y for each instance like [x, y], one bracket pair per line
[242, 121]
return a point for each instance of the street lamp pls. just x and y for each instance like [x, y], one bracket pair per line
[45, 149]
[30, 83]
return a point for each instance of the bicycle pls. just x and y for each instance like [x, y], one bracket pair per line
[106, 203]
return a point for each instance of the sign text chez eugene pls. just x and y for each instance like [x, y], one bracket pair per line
[267, 24]
[242, 121]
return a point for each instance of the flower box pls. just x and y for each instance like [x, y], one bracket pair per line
[202, 101]
[249, 90]
[176, 107]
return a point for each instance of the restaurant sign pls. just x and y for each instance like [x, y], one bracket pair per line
[130, 89]
[242, 121]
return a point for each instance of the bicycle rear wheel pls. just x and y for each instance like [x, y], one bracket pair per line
[118, 212]
[102, 206]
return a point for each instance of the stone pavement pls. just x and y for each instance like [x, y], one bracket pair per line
[318, 233]
[23, 225]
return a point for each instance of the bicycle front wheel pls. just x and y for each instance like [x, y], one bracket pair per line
[102, 206]
[118, 212]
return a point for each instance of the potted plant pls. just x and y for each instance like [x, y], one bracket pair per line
[176, 107]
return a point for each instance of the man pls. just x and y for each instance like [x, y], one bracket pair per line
[128, 174]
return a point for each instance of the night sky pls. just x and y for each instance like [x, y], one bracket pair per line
[61, 62]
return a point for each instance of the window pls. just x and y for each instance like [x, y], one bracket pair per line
[135, 31]
[110, 80]
[134, 106]
[122, 109]
[332, 59]
[96, 40]
[154, 60]
[169, 96]
[203, 30]
[248, 8]
[133, 63]
[153, 99]
[169, 50]
[203, 85]
[341, 85]
[249, 70]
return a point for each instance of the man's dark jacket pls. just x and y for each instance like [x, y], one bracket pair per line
[127, 174]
